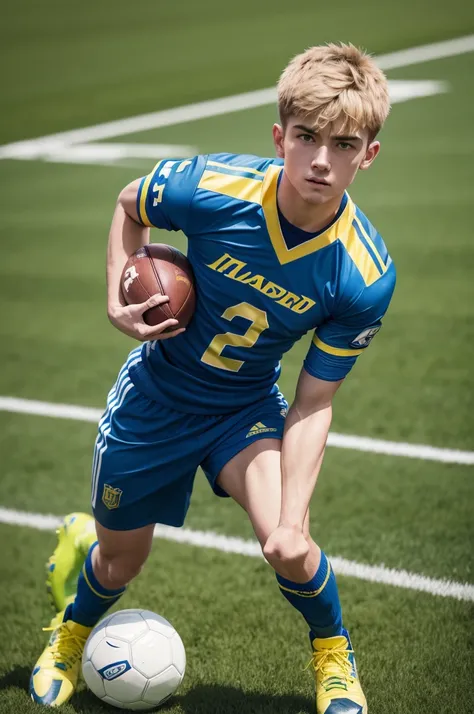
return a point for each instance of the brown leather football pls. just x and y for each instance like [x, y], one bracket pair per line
[159, 268]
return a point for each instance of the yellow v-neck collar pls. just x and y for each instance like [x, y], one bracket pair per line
[270, 210]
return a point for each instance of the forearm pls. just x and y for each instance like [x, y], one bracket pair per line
[303, 447]
[125, 237]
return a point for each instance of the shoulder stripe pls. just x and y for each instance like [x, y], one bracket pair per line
[338, 351]
[238, 187]
[371, 243]
[361, 256]
[231, 167]
[141, 203]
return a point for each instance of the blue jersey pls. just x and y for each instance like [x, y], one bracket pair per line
[261, 284]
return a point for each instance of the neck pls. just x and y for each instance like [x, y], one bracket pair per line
[302, 214]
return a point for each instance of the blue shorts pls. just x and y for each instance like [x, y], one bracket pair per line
[146, 455]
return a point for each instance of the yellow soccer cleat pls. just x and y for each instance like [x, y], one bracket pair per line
[338, 689]
[54, 677]
[75, 537]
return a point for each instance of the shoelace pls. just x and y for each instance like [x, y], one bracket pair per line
[67, 647]
[334, 666]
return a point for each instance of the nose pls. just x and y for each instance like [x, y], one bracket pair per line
[321, 159]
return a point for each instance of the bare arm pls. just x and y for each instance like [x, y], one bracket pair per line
[304, 440]
[306, 431]
[125, 237]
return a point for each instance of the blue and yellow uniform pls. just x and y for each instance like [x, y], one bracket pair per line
[261, 283]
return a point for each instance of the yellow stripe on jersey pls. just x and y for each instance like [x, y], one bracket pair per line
[239, 187]
[365, 264]
[369, 240]
[143, 216]
[285, 254]
[245, 169]
[338, 351]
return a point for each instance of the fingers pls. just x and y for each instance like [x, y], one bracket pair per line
[129, 319]
[158, 332]
[152, 301]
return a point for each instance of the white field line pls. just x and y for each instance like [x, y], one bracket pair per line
[56, 151]
[216, 107]
[342, 441]
[400, 91]
[426, 53]
[81, 153]
[239, 546]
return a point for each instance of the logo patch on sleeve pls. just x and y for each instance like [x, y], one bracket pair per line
[365, 337]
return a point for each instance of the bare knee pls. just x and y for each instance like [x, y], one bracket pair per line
[297, 562]
[115, 570]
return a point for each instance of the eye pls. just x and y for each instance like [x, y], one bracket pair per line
[306, 138]
[344, 145]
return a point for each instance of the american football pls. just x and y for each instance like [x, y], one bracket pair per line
[160, 268]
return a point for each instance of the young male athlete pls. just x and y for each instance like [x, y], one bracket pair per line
[278, 248]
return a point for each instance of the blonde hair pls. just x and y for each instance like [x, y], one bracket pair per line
[331, 82]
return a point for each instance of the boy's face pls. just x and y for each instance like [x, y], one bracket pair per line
[321, 165]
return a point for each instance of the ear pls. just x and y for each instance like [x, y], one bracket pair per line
[370, 154]
[278, 140]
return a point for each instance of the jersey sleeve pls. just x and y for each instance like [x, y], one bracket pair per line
[165, 196]
[340, 340]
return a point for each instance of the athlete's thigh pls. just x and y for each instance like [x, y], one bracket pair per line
[245, 461]
[253, 479]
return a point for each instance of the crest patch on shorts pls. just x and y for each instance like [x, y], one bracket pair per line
[111, 497]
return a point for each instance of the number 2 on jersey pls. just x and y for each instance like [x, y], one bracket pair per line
[213, 354]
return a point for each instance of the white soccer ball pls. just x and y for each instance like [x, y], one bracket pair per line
[134, 659]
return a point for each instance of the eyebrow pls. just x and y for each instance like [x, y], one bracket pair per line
[339, 137]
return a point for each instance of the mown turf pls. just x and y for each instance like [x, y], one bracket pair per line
[246, 648]
[405, 513]
[69, 66]
[53, 293]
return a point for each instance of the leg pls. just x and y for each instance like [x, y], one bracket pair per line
[111, 563]
[120, 555]
[253, 479]
[142, 473]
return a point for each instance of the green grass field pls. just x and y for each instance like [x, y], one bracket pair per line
[67, 67]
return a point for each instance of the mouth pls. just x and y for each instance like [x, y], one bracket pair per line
[318, 181]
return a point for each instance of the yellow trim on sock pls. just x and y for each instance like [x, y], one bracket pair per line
[104, 597]
[309, 593]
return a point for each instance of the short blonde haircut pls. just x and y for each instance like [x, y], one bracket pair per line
[332, 82]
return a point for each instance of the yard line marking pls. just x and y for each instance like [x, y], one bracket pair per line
[62, 411]
[239, 546]
[216, 107]
[426, 53]
[143, 122]
[395, 448]
[341, 441]
[109, 152]
[57, 150]
[54, 144]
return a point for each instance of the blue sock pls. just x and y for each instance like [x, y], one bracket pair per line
[317, 600]
[92, 599]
